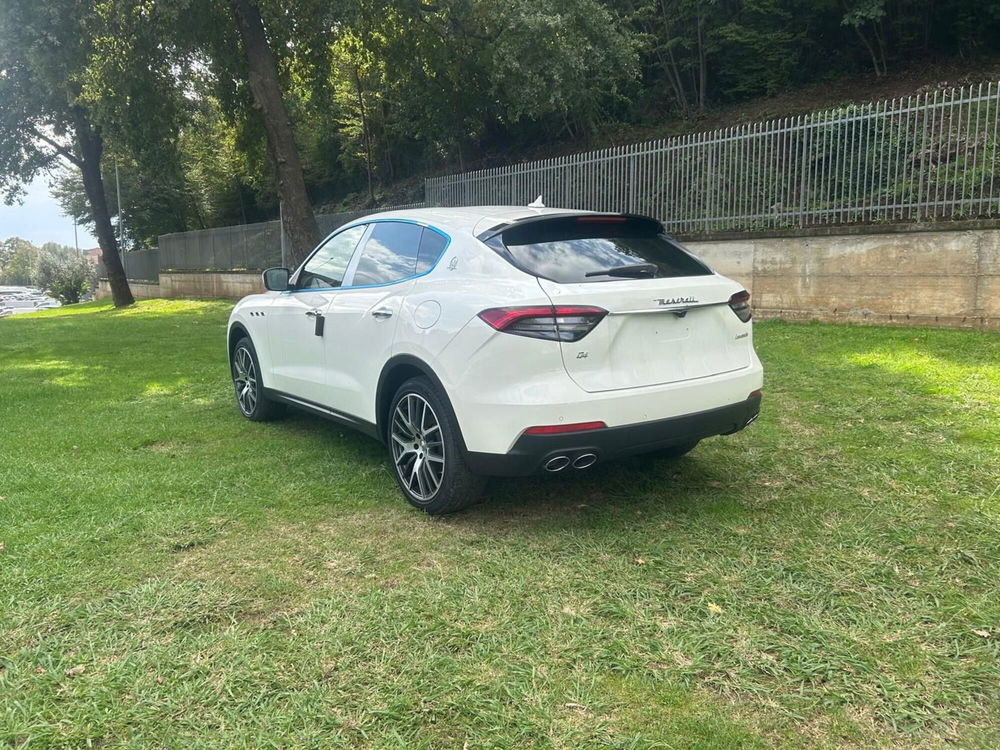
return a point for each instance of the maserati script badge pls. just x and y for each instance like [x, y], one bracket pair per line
[675, 301]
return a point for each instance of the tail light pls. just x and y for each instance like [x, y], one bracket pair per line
[552, 323]
[740, 304]
[558, 429]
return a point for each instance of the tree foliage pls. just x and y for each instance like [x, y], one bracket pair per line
[47, 49]
[59, 270]
[64, 274]
[18, 262]
[379, 91]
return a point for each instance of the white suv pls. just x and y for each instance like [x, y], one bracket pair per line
[501, 341]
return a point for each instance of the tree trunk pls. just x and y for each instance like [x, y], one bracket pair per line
[299, 221]
[673, 69]
[870, 48]
[91, 148]
[702, 65]
[366, 136]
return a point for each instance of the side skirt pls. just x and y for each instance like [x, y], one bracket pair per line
[361, 425]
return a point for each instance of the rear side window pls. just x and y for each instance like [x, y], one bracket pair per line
[396, 251]
[390, 254]
[575, 249]
[432, 244]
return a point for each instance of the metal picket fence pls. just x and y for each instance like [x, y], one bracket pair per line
[142, 265]
[931, 156]
[245, 246]
[241, 247]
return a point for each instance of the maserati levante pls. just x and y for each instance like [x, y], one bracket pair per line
[487, 341]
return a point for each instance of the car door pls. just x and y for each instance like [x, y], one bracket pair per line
[296, 321]
[363, 316]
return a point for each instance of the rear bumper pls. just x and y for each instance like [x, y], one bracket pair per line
[530, 453]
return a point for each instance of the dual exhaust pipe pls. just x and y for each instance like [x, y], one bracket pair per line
[558, 463]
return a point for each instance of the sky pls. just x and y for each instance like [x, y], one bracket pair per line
[39, 219]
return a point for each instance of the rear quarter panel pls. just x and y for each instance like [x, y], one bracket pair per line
[469, 278]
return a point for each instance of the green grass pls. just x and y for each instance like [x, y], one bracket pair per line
[173, 575]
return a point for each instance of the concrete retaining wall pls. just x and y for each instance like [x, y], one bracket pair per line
[920, 277]
[947, 278]
[140, 289]
[199, 285]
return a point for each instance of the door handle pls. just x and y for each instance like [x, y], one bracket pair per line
[317, 315]
[382, 313]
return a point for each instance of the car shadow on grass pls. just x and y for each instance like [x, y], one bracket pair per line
[640, 484]
[640, 489]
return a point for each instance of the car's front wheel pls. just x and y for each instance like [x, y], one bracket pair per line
[254, 405]
[425, 445]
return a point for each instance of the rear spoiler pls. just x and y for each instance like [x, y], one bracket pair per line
[635, 222]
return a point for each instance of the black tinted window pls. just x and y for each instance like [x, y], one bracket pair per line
[432, 245]
[327, 266]
[390, 254]
[580, 249]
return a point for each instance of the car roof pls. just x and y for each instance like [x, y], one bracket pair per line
[469, 219]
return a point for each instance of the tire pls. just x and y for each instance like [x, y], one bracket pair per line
[250, 398]
[675, 451]
[425, 445]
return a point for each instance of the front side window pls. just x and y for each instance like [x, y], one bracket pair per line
[326, 267]
[390, 254]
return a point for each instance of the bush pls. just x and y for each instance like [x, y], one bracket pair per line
[65, 275]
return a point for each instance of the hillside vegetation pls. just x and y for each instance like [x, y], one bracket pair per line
[384, 92]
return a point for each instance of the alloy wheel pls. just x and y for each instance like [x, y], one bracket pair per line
[417, 446]
[245, 380]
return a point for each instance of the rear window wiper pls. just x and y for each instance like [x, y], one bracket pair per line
[637, 270]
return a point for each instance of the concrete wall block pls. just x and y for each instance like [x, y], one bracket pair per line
[900, 295]
[732, 259]
[931, 253]
[989, 296]
[989, 253]
[210, 285]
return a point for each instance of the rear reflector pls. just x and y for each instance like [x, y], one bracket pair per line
[558, 323]
[756, 394]
[740, 304]
[556, 429]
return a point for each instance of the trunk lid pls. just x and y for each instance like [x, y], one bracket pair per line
[657, 331]
[669, 318]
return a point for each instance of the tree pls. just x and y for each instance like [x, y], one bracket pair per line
[44, 118]
[860, 15]
[18, 262]
[64, 274]
[262, 76]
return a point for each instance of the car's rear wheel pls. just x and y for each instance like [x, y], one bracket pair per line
[426, 448]
[250, 398]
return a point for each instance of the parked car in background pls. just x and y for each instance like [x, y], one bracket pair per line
[501, 341]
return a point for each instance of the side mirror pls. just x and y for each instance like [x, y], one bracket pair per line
[276, 279]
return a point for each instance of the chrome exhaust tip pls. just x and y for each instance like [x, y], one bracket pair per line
[584, 460]
[557, 463]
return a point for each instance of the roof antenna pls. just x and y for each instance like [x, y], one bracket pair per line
[537, 203]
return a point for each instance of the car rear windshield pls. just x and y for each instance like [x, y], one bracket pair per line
[577, 249]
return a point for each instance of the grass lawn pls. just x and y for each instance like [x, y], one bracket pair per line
[173, 575]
